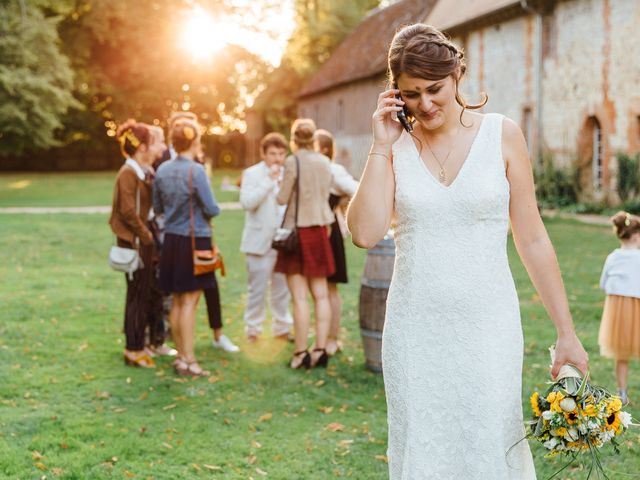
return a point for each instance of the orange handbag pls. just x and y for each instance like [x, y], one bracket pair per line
[204, 261]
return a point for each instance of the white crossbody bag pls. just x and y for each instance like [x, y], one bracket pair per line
[127, 260]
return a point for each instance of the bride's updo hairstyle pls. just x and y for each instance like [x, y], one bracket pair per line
[625, 225]
[302, 133]
[423, 51]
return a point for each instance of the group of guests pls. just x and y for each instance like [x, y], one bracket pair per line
[162, 207]
[304, 192]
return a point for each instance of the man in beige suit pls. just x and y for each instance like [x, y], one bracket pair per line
[263, 216]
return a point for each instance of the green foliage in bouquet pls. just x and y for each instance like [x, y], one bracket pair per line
[574, 417]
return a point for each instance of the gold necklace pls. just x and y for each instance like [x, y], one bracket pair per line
[442, 175]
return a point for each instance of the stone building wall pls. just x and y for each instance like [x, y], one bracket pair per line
[581, 58]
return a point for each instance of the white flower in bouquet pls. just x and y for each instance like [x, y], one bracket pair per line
[568, 404]
[625, 419]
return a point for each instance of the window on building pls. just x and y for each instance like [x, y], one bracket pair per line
[527, 129]
[340, 119]
[596, 155]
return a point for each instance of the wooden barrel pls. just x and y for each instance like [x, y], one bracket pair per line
[378, 269]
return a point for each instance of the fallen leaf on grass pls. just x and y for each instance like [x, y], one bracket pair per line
[261, 472]
[57, 471]
[119, 410]
[256, 444]
[326, 410]
[37, 455]
[166, 445]
[196, 466]
[143, 396]
[335, 427]
[266, 417]
[129, 474]
[41, 466]
[88, 377]
[382, 458]
[215, 468]
[319, 383]
[251, 459]
[345, 443]
[344, 408]
[214, 379]
[169, 407]
[83, 347]
[103, 395]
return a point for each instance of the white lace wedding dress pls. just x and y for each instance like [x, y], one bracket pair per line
[452, 345]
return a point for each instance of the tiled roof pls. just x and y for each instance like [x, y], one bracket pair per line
[448, 14]
[363, 53]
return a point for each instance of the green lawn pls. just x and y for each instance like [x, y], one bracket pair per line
[79, 189]
[70, 409]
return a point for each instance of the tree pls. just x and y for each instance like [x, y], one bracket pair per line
[36, 80]
[320, 27]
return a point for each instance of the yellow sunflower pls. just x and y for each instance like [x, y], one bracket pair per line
[560, 432]
[613, 422]
[554, 398]
[571, 417]
[590, 411]
[614, 405]
[534, 404]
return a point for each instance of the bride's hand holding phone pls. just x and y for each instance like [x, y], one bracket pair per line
[386, 130]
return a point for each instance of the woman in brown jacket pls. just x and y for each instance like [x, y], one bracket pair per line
[129, 213]
[309, 268]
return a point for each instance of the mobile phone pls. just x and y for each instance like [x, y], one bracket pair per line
[403, 114]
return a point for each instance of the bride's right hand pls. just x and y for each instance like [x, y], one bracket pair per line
[387, 130]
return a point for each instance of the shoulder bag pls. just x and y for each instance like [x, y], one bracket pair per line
[286, 240]
[204, 261]
[127, 260]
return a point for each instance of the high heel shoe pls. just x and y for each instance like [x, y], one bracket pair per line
[322, 360]
[304, 363]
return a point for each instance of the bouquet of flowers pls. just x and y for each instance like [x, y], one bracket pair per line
[574, 416]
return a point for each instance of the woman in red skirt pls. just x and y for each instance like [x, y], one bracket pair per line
[308, 269]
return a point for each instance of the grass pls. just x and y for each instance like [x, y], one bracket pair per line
[70, 409]
[79, 189]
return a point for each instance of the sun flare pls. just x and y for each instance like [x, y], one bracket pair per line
[203, 35]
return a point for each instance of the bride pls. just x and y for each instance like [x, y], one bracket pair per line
[452, 344]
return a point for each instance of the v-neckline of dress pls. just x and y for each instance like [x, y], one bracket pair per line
[462, 167]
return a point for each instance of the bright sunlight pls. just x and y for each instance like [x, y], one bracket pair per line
[204, 35]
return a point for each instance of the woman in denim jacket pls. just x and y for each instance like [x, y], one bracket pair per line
[172, 197]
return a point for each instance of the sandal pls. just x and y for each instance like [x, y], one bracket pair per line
[138, 359]
[304, 363]
[321, 360]
[190, 369]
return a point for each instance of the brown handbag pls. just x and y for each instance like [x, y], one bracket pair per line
[204, 261]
